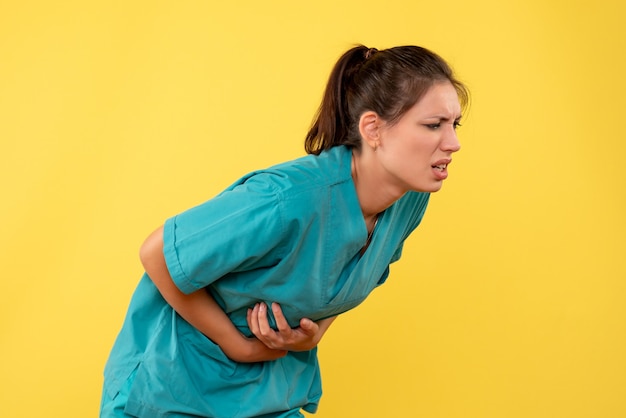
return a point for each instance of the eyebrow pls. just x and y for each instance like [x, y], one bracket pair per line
[445, 118]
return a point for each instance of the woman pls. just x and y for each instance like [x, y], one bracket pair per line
[239, 290]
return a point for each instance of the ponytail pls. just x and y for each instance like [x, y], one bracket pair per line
[331, 125]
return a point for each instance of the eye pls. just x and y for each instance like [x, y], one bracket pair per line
[433, 126]
[456, 124]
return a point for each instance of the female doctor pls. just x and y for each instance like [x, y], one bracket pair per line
[238, 291]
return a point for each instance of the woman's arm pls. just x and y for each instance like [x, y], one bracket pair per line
[200, 309]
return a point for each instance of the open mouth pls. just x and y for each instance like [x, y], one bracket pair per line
[440, 167]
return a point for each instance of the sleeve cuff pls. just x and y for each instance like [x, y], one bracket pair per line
[171, 258]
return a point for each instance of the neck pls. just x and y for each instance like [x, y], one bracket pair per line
[374, 194]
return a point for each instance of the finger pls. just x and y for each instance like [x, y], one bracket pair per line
[264, 325]
[309, 327]
[262, 331]
[281, 322]
[253, 322]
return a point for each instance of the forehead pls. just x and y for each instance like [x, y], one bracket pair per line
[441, 99]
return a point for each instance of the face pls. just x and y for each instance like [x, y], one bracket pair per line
[416, 151]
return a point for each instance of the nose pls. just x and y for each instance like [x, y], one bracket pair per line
[450, 141]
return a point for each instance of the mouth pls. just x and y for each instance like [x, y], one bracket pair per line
[440, 169]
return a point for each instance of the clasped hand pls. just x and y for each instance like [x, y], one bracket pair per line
[268, 344]
[303, 338]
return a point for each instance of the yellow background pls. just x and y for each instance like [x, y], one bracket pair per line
[510, 298]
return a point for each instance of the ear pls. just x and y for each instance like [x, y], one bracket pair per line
[369, 128]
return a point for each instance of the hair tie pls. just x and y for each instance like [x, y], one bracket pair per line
[370, 52]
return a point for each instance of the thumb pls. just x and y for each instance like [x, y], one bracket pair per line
[308, 326]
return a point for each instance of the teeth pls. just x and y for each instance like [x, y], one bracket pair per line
[441, 167]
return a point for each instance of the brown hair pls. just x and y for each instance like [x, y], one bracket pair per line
[388, 82]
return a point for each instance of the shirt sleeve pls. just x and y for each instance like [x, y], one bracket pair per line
[240, 229]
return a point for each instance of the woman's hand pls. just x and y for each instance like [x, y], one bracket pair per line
[303, 338]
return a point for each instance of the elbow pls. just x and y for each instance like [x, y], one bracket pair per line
[151, 251]
[153, 261]
[145, 254]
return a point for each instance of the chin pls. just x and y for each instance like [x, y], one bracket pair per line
[431, 188]
[437, 188]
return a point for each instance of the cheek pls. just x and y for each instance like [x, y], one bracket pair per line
[409, 161]
[415, 149]
[409, 148]
[426, 146]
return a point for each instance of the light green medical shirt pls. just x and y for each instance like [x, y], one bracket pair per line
[291, 234]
